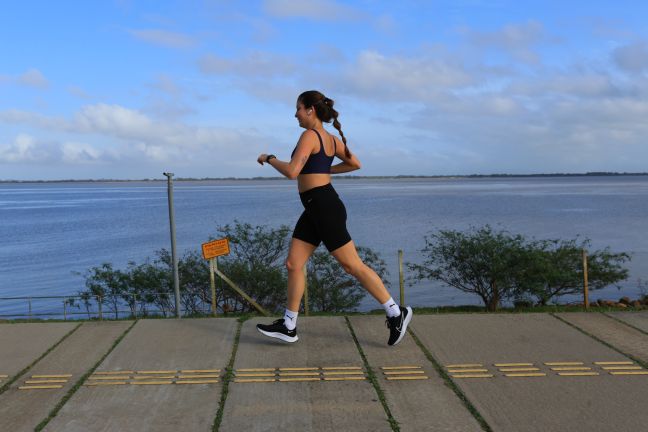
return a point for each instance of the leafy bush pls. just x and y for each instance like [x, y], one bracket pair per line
[555, 269]
[499, 266]
[255, 264]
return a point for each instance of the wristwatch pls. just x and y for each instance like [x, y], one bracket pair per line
[270, 156]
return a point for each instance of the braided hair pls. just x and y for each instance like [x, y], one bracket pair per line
[324, 109]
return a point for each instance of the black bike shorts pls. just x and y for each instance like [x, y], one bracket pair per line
[323, 219]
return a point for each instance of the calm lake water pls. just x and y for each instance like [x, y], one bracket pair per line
[49, 231]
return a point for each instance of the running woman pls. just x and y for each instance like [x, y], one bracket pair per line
[324, 217]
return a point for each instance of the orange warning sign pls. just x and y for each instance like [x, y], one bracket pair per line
[215, 248]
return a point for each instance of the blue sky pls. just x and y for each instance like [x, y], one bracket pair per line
[128, 89]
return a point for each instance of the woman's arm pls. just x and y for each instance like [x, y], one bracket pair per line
[348, 164]
[305, 147]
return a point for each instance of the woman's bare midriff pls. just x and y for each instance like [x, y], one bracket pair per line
[309, 181]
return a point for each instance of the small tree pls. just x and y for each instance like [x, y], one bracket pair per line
[555, 268]
[331, 289]
[481, 262]
[152, 283]
[193, 276]
[498, 265]
[107, 285]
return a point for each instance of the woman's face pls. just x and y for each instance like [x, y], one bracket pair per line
[302, 114]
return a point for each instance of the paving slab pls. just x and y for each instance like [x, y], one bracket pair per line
[33, 396]
[625, 338]
[421, 400]
[154, 346]
[499, 343]
[23, 343]
[324, 342]
[635, 319]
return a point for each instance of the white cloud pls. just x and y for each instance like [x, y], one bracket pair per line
[572, 84]
[117, 133]
[565, 133]
[402, 78]
[113, 120]
[23, 149]
[78, 92]
[164, 38]
[254, 64]
[519, 40]
[326, 54]
[13, 116]
[30, 78]
[318, 10]
[386, 24]
[166, 100]
[166, 84]
[80, 153]
[33, 78]
[632, 57]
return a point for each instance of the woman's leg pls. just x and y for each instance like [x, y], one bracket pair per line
[398, 317]
[298, 254]
[350, 261]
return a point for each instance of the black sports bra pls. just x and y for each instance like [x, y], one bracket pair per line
[320, 162]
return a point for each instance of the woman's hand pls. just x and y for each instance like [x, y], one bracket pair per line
[262, 158]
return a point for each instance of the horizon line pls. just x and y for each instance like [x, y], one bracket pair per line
[352, 177]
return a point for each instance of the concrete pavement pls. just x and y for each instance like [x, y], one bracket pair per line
[639, 320]
[627, 339]
[325, 343]
[31, 398]
[533, 372]
[150, 392]
[516, 372]
[22, 344]
[416, 394]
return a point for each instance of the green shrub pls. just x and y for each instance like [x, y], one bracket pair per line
[500, 266]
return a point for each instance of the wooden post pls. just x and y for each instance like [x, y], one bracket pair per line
[585, 287]
[241, 292]
[212, 282]
[305, 290]
[400, 277]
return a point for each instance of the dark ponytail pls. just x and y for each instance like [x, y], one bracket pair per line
[324, 109]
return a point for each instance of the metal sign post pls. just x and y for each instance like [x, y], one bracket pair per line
[585, 287]
[174, 256]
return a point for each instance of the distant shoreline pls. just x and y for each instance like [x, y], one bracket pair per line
[397, 177]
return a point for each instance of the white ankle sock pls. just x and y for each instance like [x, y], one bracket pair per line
[391, 307]
[290, 319]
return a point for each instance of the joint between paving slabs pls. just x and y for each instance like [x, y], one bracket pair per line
[20, 374]
[601, 341]
[450, 383]
[373, 380]
[81, 380]
[228, 376]
[625, 323]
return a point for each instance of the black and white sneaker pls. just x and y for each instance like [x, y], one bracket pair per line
[278, 330]
[398, 325]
